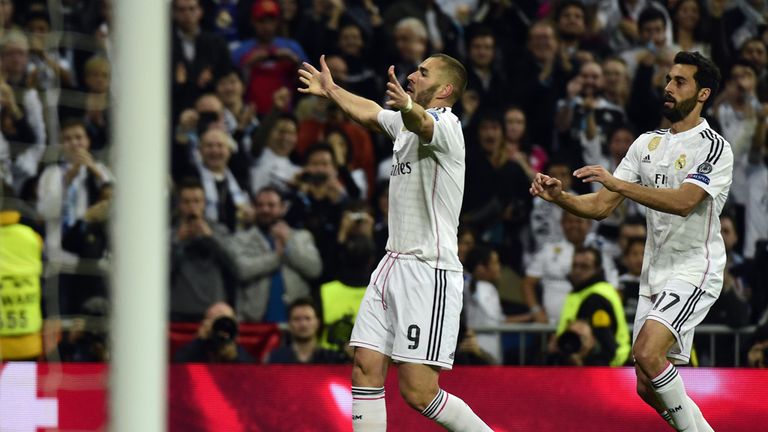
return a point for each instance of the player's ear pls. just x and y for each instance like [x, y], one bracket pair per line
[446, 91]
[704, 94]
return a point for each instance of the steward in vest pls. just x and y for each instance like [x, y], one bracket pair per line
[341, 298]
[596, 303]
[21, 266]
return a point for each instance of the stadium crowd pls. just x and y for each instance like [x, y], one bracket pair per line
[279, 202]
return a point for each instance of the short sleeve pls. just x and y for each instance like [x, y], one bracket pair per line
[713, 167]
[447, 134]
[391, 122]
[629, 168]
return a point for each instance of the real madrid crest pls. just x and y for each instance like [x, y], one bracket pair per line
[654, 144]
[680, 162]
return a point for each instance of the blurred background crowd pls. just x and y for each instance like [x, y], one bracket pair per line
[279, 202]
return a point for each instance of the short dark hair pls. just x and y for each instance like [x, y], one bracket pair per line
[303, 301]
[707, 74]
[651, 14]
[565, 4]
[320, 147]
[478, 31]
[267, 189]
[590, 250]
[622, 126]
[456, 73]
[479, 255]
[188, 183]
[743, 63]
[72, 122]
[633, 220]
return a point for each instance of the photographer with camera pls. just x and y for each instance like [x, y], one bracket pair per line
[592, 328]
[304, 346]
[318, 202]
[216, 341]
[200, 265]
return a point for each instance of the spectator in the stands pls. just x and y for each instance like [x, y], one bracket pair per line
[88, 239]
[201, 270]
[652, 34]
[318, 202]
[341, 297]
[318, 26]
[545, 219]
[755, 52]
[21, 112]
[93, 105]
[484, 75]
[216, 340]
[442, 35]
[274, 263]
[325, 117]
[629, 281]
[616, 81]
[482, 305]
[274, 167]
[239, 117]
[573, 28]
[197, 56]
[551, 266]
[304, 345]
[585, 117]
[539, 79]
[411, 46]
[531, 157]
[67, 189]
[269, 61]
[358, 54]
[758, 352]
[594, 302]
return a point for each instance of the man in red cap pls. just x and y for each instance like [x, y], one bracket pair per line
[270, 61]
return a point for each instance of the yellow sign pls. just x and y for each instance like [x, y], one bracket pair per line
[680, 162]
[654, 144]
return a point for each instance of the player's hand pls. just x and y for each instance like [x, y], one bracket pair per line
[597, 174]
[546, 187]
[317, 82]
[398, 98]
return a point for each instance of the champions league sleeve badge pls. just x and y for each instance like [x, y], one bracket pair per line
[704, 168]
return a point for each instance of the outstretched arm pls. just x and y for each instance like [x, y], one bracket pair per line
[680, 201]
[597, 205]
[320, 83]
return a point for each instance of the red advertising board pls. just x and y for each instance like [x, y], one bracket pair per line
[68, 397]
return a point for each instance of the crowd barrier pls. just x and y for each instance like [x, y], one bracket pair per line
[257, 398]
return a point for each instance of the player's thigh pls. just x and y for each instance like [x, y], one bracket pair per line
[372, 329]
[679, 308]
[428, 305]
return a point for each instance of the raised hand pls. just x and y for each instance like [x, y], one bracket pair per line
[596, 173]
[398, 98]
[546, 187]
[317, 82]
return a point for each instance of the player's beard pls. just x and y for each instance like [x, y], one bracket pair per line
[679, 110]
[424, 97]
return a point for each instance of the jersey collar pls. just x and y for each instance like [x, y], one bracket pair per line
[691, 132]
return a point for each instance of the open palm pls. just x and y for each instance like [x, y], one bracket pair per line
[317, 82]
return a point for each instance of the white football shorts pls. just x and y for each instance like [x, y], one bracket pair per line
[680, 306]
[410, 312]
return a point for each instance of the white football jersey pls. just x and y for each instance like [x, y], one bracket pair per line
[686, 248]
[426, 189]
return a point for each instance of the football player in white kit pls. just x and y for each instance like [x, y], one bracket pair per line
[682, 175]
[410, 312]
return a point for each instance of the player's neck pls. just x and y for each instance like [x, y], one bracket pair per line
[686, 124]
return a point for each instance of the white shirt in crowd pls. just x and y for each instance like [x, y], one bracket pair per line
[483, 308]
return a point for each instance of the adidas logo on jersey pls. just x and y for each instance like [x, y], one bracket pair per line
[647, 159]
